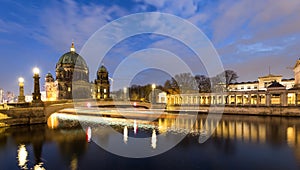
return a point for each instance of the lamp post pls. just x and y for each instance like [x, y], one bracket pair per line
[153, 93]
[36, 95]
[125, 91]
[21, 97]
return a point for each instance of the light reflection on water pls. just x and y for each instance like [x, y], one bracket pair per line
[239, 142]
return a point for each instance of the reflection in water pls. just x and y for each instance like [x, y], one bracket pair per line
[22, 157]
[53, 121]
[135, 127]
[153, 139]
[74, 163]
[231, 137]
[88, 134]
[125, 135]
[39, 167]
[290, 133]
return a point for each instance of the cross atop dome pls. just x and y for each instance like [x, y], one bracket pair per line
[72, 49]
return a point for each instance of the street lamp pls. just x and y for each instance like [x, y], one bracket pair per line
[36, 95]
[153, 86]
[125, 91]
[21, 97]
[153, 93]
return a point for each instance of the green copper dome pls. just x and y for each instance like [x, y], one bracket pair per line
[72, 58]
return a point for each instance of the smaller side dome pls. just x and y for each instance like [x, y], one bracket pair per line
[102, 69]
[49, 75]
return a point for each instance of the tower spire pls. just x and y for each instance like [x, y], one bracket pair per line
[72, 49]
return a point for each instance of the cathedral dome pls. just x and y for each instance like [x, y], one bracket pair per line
[71, 58]
[72, 75]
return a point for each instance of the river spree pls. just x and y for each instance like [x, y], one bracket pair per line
[239, 142]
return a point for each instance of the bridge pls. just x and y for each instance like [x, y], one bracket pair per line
[36, 115]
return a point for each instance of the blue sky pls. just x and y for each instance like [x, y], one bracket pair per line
[249, 35]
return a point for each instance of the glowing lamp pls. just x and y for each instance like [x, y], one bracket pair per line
[36, 71]
[21, 80]
[153, 86]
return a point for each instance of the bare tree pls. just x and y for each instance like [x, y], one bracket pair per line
[204, 83]
[186, 83]
[230, 77]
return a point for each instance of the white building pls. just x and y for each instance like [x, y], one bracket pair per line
[1, 95]
[28, 98]
[162, 97]
[262, 83]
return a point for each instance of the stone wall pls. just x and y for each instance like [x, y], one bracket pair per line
[242, 110]
[24, 116]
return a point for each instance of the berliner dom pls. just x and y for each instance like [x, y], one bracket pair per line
[72, 79]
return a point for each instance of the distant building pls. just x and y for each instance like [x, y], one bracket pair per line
[1, 95]
[28, 98]
[9, 97]
[162, 97]
[51, 88]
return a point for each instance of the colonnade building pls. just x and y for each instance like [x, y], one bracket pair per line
[267, 91]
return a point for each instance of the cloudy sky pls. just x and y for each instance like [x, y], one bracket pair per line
[249, 35]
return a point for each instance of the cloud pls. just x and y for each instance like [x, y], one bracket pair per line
[10, 27]
[69, 20]
[261, 20]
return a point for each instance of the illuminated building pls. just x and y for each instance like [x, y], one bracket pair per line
[101, 84]
[297, 74]
[1, 95]
[262, 83]
[72, 77]
[50, 87]
[72, 69]
[267, 91]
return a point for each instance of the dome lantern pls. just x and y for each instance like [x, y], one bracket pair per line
[72, 49]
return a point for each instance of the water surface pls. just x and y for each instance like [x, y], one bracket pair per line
[239, 142]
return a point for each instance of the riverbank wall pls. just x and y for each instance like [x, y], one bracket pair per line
[22, 116]
[38, 115]
[286, 111]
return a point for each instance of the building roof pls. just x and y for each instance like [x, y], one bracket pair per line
[275, 84]
[270, 75]
[248, 82]
[297, 63]
[291, 79]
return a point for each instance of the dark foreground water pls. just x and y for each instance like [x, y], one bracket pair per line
[239, 142]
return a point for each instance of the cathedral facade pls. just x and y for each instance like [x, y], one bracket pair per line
[72, 79]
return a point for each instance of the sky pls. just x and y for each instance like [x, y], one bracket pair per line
[249, 35]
